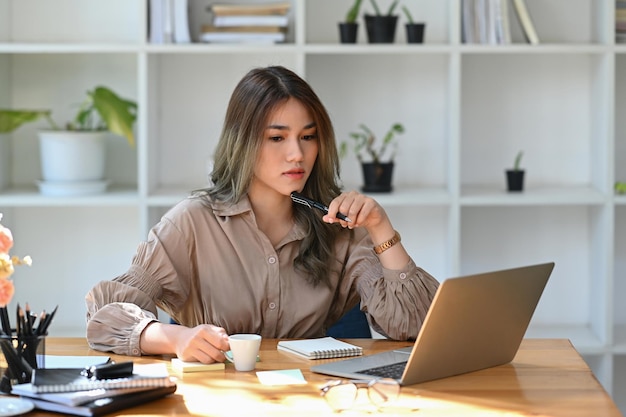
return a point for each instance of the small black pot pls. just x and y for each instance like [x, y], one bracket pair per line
[377, 177]
[515, 180]
[348, 32]
[415, 32]
[381, 29]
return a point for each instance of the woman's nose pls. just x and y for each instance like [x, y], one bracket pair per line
[295, 152]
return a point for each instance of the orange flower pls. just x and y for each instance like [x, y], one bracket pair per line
[7, 289]
[7, 265]
[6, 238]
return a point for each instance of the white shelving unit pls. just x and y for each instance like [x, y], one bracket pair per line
[467, 109]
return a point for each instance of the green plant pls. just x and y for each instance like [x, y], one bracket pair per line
[353, 13]
[518, 159]
[377, 9]
[101, 110]
[408, 15]
[620, 187]
[365, 143]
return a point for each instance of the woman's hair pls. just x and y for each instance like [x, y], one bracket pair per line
[255, 97]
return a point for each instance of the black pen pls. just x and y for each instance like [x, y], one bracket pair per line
[300, 199]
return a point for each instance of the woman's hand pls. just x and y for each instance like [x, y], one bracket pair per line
[363, 210]
[204, 343]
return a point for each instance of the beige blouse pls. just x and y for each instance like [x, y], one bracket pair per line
[204, 264]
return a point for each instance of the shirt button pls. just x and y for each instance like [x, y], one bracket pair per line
[272, 306]
[272, 260]
[403, 275]
[135, 351]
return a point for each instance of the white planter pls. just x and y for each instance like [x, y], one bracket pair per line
[72, 163]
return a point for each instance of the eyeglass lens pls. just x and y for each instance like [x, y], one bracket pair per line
[340, 395]
[383, 391]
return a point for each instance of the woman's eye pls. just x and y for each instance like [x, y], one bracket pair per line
[309, 137]
[276, 138]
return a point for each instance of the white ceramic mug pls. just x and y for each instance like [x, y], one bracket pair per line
[245, 349]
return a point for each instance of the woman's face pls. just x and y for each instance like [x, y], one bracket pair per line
[288, 151]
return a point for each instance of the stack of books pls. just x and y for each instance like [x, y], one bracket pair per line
[246, 23]
[69, 391]
[620, 21]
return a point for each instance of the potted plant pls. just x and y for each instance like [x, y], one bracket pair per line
[515, 176]
[73, 155]
[381, 28]
[348, 29]
[377, 159]
[414, 30]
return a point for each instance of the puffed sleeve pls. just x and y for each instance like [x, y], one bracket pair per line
[119, 310]
[396, 301]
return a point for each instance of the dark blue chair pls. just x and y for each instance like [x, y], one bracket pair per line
[353, 325]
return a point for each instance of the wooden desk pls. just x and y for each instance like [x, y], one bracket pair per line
[547, 378]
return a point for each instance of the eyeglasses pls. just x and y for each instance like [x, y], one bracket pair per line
[340, 395]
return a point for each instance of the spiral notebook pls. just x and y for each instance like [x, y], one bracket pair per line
[322, 348]
[70, 379]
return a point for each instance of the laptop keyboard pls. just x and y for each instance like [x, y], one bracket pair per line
[393, 370]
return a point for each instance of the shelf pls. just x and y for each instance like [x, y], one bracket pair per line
[409, 196]
[531, 196]
[30, 197]
[68, 48]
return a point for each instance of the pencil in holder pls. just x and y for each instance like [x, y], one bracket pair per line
[22, 354]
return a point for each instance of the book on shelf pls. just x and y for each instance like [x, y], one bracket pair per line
[47, 380]
[526, 22]
[620, 21]
[115, 401]
[502, 26]
[243, 29]
[485, 22]
[320, 348]
[169, 21]
[180, 17]
[242, 37]
[155, 22]
[231, 9]
[251, 20]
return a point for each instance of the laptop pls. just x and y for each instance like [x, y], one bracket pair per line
[474, 322]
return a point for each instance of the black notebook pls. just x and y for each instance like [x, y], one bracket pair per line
[70, 379]
[106, 405]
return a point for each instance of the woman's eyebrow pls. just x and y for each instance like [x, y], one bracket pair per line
[283, 127]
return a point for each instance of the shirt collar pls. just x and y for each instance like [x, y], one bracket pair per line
[243, 206]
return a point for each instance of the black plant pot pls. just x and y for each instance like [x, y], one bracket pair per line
[515, 180]
[415, 32]
[381, 29]
[377, 177]
[348, 32]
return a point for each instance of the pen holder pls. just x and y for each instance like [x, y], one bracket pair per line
[22, 354]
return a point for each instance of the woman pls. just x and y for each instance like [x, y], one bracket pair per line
[241, 257]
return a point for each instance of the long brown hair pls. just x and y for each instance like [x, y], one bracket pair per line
[254, 98]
